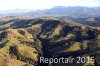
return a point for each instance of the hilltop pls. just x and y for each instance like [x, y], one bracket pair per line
[23, 41]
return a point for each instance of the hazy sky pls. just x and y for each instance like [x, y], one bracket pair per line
[44, 4]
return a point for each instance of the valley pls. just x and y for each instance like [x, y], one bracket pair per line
[24, 41]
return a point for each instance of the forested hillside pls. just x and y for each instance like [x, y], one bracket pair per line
[23, 41]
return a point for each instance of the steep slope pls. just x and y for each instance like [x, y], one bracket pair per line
[91, 21]
[47, 37]
[19, 46]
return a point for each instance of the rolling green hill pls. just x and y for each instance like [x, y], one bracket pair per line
[23, 41]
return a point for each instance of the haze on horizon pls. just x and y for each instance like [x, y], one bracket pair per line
[45, 4]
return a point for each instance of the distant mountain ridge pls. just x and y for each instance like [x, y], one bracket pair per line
[69, 11]
[57, 11]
